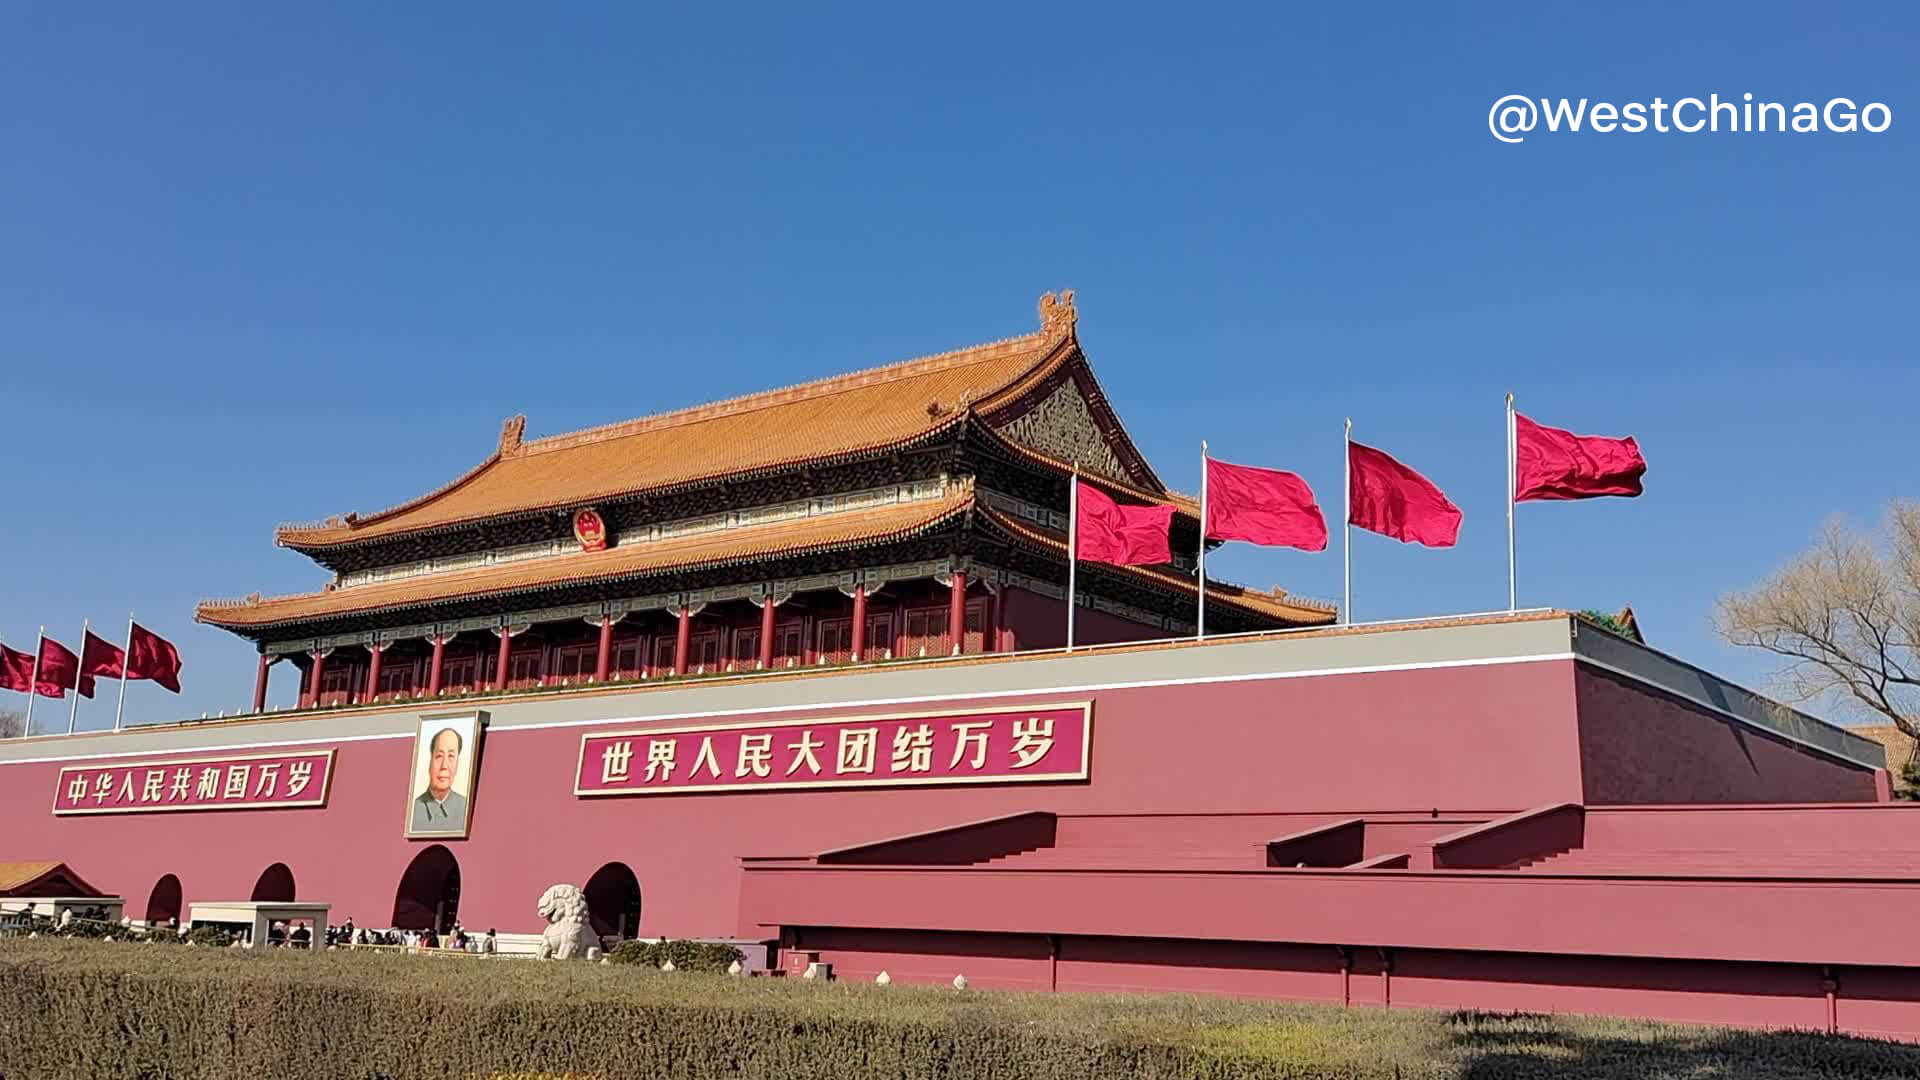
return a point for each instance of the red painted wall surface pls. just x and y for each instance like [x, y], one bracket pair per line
[1884, 827]
[1040, 622]
[1639, 746]
[1871, 1001]
[1779, 921]
[1493, 738]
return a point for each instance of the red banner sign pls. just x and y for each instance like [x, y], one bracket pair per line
[253, 781]
[1011, 746]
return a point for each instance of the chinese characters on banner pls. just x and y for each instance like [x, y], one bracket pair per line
[1048, 743]
[216, 783]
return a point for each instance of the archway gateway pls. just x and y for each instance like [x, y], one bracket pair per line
[613, 901]
[274, 884]
[164, 902]
[429, 894]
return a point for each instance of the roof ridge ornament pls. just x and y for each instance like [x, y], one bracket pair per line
[511, 434]
[1057, 316]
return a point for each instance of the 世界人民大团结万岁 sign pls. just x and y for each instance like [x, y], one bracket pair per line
[1046, 743]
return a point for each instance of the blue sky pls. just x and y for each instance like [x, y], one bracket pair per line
[260, 264]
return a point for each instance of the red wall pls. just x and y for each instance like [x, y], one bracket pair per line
[1490, 738]
[1760, 830]
[1040, 622]
[1194, 778]
[1641, 746]
[1470, 742]
[1869, 1001]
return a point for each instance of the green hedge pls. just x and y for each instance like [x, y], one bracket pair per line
[80, 1010]
[94, 929]
[686, 955]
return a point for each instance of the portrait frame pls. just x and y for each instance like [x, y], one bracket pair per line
[420, 823]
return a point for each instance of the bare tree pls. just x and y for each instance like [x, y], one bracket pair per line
[13, 723]
[1845, 616]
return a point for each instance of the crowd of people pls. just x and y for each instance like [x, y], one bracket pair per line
[279, 935]
[347, 935]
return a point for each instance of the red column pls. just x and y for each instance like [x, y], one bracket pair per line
[313, 692]
[506, 645]
[766, 633]
[606, 649]
[433, 672]
[260, 685]
[957, 611]
[859, 623]
[682, 641]
[373, 671]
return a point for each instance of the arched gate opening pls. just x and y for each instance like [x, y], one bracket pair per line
[274, 884]
[613, 901]
[164, 902]
[429, 894]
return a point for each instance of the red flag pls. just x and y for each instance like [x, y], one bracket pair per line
[1393, 500]
[16, 670]
[1263, 506]
[98, 656]
[58, 669]
[1130, 535]
[1553, 464]
[153, 657]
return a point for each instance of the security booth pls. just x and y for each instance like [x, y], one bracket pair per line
[265, 923]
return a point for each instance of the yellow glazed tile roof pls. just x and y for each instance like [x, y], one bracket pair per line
[814, 421]
[792, 537]
[15, 874]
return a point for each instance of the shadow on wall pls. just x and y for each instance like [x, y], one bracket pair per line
[1510, 1046]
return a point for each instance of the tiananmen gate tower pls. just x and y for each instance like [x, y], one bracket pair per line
[787, 670]
[864, 516]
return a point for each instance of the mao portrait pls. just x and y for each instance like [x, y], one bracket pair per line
[444, 755]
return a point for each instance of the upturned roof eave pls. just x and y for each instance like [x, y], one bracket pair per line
[1055, 345]
[878, 449]
[1069, 353]
[210, 613]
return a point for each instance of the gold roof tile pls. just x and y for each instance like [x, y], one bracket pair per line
[821, 420]
[754, 542]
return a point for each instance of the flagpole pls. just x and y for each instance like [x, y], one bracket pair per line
[33, 684]
[1346, 531]
[1073, 547]
[126, 657]
[79, 666]
[1200, 624]
[1513, 472]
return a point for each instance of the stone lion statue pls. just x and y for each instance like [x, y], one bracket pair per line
[568, 935]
